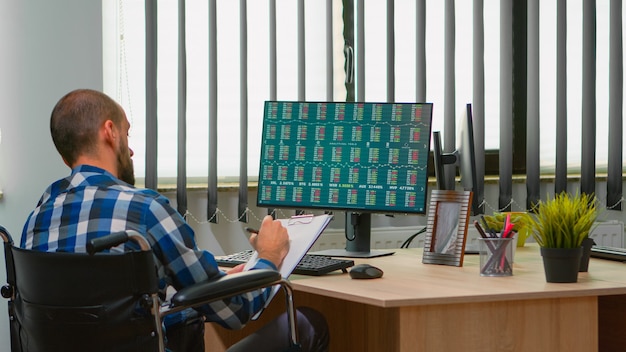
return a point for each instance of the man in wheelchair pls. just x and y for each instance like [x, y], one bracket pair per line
[90, 132]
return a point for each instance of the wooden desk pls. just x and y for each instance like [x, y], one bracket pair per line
[426, 307]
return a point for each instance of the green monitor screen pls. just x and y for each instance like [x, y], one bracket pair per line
[355, 157]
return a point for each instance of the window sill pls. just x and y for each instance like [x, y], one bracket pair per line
[197, 184]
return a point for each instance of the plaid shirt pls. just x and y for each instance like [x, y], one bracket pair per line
[91, 203]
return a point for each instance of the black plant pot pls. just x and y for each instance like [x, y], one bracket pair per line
[584, 259]
[561, 264]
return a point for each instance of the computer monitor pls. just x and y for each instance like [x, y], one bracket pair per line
[361, 158]
[464, 158]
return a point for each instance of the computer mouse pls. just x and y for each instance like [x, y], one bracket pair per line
[365, 271]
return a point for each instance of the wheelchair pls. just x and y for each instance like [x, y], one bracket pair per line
[99, 301]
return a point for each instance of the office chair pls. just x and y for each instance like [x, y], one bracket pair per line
[104, 301]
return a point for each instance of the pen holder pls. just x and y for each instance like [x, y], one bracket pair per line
[496, 256]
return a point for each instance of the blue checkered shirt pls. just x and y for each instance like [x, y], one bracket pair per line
[91, 203]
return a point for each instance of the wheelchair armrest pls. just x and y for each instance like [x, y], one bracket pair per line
[111, 240]
[225, 286]
[106, 242]
[6, 237]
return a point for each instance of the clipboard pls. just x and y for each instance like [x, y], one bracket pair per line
[303, 231]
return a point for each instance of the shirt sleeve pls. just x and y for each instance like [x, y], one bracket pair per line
[263, 264]
[184, 265]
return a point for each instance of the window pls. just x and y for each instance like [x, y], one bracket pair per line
[124, 28]
[124, 70]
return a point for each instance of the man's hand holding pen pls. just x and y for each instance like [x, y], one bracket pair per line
[271, 241]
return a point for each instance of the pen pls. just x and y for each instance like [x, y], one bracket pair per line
[508, 227]
[491, 232]
[251, 230]
[480, 229]
[302, 216]
[483, 235]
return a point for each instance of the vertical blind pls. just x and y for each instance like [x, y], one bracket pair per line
[506, 105]
[478, 95]
[213, 126]
[533, 98]
[509, 56]
[151, 94]
[588, 135]
[243, 134]
[181, 180]
[616, 103]
[561, 97]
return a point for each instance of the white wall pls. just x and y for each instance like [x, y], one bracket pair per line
[47, 49]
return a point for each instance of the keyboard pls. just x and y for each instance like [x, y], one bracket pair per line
[608, 252]
[314, 265]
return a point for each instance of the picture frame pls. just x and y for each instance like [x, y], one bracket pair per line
[446, 228]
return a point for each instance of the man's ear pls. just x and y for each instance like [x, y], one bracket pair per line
[109, 132]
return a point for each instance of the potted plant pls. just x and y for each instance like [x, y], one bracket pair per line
[560, 226]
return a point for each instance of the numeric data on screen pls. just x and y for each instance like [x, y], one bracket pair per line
[350, 156]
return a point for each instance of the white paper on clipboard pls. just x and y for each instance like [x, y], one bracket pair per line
[303, 231]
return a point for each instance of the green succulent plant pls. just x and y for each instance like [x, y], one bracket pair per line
[564, 221]
[520, 222]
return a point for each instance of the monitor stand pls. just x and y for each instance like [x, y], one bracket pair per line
[358, 235]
